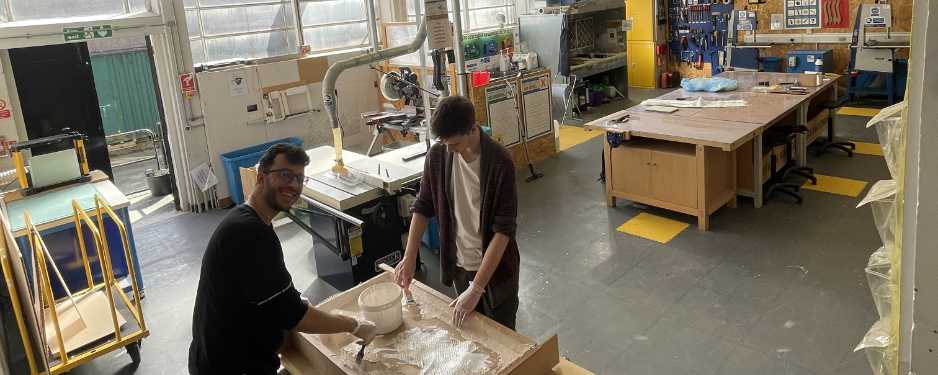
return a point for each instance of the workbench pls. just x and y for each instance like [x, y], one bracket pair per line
[325, 354]
[670, 162]
[52, 214]
[664, 168]
[765, 110]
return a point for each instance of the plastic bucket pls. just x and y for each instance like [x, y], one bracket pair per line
[159, 182]
[381, 305]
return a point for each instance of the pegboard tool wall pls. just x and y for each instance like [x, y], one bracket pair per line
[697, 31]
[902, 22]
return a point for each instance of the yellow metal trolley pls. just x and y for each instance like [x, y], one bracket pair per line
[87, 323]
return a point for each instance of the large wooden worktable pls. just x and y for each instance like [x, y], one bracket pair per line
[699, 142]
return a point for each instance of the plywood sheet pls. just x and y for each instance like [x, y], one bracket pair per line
[325, 354]
[79, 330]
[726, 135]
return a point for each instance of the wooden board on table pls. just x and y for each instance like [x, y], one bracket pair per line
[725, 135]
[324, 354]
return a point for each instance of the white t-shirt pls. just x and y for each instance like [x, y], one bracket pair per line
[467, 199]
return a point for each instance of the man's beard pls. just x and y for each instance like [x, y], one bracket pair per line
[271, 198]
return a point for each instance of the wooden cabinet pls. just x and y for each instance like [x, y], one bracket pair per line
[633, 170]
[681, 177]
[674, 176]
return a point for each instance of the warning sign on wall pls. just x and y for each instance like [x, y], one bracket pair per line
[802, 14]
[4, 111]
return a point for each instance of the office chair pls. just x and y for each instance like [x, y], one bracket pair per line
[830, 142]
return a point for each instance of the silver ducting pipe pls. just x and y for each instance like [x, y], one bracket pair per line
[329, 99]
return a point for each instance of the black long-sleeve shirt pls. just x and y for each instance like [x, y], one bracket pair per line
[246, 301]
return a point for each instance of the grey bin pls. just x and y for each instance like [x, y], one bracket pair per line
[160, 182]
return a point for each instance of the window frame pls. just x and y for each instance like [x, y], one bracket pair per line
[201, 38]
[336, 50]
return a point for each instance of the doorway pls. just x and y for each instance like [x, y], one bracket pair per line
[106, 89]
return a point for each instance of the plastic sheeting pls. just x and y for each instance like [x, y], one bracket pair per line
[882, 200]
[888, 123]
[434, 351]
[878, 273]
[884, 268]
[877, 343]
[714, 84]
[696, 103]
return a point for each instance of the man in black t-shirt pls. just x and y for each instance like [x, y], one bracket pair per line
[246, 301]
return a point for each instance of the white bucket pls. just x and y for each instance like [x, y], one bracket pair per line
[381, 305]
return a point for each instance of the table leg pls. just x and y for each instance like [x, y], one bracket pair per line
[757, 170]
[801, 140]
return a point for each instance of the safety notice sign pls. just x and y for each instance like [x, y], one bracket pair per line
[802, 14]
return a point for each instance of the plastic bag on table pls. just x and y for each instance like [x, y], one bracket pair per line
[877, 344]
[714, 84]
[878, 272]
[882, 200]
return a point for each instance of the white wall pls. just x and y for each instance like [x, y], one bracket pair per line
[229, 127]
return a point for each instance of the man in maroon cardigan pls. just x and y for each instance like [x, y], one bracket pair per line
[468, 184]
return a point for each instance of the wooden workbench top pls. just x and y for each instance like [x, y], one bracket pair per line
[725, 135]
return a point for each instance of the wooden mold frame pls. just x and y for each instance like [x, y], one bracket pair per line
[322, 354]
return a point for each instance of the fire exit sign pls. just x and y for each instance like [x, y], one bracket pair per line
[87, 32]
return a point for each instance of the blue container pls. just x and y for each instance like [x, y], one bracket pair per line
[431, 237]
[246, 157]
[771, 64]
[800, 61]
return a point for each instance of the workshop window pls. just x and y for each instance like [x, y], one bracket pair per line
[478, 15]
[31, 10]
[332, 25]
[222, 30]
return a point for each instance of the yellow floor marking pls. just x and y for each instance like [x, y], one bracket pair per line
[652, 227]
[573, 135]
[836, 185]
[864, 148]
[857, 111]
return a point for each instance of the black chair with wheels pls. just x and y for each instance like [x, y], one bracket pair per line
[784, 136]
[830, 142]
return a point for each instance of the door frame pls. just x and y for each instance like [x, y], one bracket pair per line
[169, 61]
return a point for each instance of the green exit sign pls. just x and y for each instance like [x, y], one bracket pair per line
[87, 32]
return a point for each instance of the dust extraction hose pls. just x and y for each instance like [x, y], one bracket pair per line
[329, 99]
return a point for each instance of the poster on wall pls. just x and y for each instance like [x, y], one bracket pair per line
[802, 14]
[536, 98]
[835, 13]
[502, 112]
[481, 50]
[238, 83]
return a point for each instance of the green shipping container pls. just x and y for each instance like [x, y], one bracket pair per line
[126, 94]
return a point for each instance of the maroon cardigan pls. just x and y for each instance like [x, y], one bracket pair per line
[498, 212]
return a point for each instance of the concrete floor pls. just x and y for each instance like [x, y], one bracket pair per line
[777, 290]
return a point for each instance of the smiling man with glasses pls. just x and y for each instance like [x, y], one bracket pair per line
[246, 301]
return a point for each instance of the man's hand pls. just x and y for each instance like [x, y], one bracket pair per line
[465, 304]
[366, 331]
[404, 273]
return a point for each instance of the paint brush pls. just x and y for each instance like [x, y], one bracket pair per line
[361, 355]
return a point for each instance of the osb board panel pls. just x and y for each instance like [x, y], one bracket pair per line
[323, 354]
[902, 22]
[689, 71]
[540, 148]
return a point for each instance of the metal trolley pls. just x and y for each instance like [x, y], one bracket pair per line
[57, 357]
